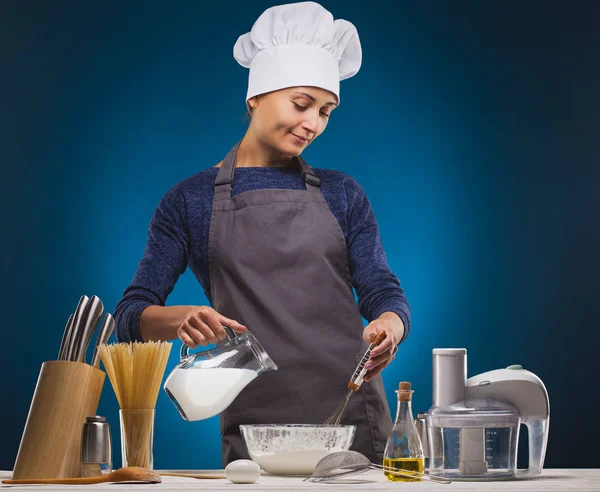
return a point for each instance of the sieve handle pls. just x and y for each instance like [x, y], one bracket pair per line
[185, 350]
[418, 476]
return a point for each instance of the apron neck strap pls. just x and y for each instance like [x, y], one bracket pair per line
[224, 180]
[311, 180]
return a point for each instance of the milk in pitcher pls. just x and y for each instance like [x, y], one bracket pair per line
[203, 393]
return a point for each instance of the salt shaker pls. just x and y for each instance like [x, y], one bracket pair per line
[96, 447]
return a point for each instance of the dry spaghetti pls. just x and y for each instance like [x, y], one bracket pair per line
[135, 371]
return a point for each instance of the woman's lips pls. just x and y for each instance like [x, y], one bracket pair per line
[298, 139]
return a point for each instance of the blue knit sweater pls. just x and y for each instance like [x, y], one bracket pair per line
[178, 238]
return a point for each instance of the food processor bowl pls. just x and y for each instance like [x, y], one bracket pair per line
[473, 440]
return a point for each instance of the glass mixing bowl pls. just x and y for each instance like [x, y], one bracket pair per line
[294, 449]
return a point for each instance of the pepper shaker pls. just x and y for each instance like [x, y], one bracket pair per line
[96, 447]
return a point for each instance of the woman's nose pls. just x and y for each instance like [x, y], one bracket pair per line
[311, 123]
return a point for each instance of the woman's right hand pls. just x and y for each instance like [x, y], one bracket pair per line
[203, 325]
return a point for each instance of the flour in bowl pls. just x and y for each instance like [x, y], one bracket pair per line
[291, 462]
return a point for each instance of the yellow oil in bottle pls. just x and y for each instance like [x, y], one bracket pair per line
[414, 465]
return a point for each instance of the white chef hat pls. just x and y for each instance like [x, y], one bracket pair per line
[298, 44]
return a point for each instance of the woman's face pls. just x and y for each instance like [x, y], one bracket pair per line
[290, 119]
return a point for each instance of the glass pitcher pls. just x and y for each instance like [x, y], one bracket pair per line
[206, 383]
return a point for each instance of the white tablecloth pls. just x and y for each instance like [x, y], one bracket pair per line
[580, 480]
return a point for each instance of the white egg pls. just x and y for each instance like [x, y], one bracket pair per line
[242, 471]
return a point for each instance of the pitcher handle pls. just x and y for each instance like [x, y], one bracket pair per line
[185, 350]
[537, 428]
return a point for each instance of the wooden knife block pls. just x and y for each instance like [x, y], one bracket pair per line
[66, 393]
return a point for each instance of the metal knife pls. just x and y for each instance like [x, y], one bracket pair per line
[106, 329]
[78, 318]
[86, 330]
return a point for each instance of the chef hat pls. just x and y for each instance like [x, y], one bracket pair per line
[298, 44]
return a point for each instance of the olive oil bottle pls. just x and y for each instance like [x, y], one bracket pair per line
[404, 450]
[413, 465]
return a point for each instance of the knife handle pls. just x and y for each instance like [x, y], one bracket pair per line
[78, 317]
[106, 329]
[90, 320]
[64, 344]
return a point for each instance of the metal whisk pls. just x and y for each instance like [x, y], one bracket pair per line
[355, 381]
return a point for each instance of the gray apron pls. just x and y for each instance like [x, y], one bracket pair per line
[279, 265]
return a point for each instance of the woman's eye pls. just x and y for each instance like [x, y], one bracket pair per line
[303, 108]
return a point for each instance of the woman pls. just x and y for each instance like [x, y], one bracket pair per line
[279, 246]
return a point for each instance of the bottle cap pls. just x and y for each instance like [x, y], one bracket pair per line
[404, 391]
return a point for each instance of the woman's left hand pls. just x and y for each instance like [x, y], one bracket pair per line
[384, 353]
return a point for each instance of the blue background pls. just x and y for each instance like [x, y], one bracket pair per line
[473, 126]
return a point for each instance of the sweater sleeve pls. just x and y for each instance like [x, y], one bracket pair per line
[165, 259]
[377, 288]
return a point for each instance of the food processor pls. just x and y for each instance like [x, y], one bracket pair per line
[473, 425]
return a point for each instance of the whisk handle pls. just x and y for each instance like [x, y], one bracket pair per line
[377, 339]
[357, 378]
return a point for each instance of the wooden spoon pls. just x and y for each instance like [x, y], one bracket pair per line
[128, 474]
[191, 475]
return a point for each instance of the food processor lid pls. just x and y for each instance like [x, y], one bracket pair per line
[473, 413]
